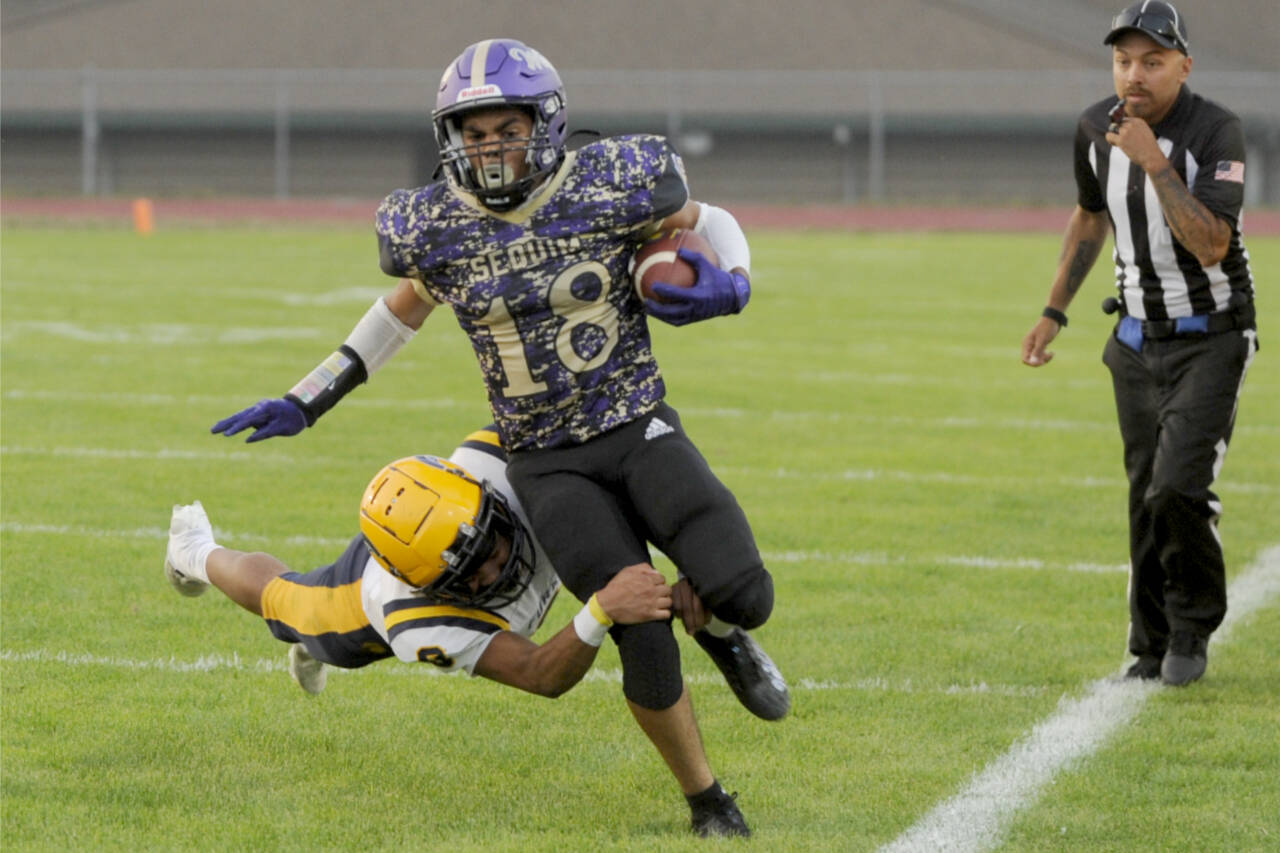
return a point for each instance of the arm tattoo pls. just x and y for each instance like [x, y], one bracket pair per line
[1086, 254]
[1190, 221]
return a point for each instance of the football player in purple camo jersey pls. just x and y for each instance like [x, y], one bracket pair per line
[528, 244]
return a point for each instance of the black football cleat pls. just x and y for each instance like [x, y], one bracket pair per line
[1146, 667]
[720, 819]
[751, 674]
[1186, 659]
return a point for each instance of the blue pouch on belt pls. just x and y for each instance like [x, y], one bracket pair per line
[1185, 325]
[1129, 333]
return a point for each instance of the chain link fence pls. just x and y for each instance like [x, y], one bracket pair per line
[793, 136]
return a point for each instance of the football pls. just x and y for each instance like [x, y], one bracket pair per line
[656, 260]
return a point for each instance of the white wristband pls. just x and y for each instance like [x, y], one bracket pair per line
[378, 336]
[588, 627]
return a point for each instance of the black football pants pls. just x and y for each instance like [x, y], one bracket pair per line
[1176, 401]
[595, 506]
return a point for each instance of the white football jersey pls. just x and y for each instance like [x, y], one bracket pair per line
[448, 636]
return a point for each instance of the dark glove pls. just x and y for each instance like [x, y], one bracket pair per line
[270, 417]
[715, 293]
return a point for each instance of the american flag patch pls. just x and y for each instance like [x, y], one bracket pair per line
[1229, 170]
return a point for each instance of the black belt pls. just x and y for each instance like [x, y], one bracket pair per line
[1241, 317]
[1198, 324]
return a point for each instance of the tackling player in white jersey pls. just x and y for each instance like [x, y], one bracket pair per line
[443, 572]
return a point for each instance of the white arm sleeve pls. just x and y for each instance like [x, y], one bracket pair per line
[378, 336]
[725, 236]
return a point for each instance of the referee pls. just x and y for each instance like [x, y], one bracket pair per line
[1165, 169]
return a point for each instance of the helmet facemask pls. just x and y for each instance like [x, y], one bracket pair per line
[473, 548]
[495, 183]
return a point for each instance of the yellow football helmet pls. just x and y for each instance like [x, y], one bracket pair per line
[431, 524]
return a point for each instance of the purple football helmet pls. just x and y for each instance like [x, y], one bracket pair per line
[500, 73]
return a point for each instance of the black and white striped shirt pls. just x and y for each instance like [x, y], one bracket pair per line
[1156, 276]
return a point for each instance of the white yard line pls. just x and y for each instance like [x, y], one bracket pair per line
[879, 558]
[235, 663]
[135, 400]
[869, 558]
[236, 452]
[976, 818]
[984, 424]
[965, 480]
[162, 533]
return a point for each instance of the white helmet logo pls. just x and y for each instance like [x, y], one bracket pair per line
[532, 60]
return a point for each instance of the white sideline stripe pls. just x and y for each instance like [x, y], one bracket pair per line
[236, 453]
[866, 559]
[976, 818]
[235, 663]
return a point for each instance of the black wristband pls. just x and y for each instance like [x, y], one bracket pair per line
[1055, 315]
[332, 379]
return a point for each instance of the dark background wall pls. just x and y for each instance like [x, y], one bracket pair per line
[809, 100]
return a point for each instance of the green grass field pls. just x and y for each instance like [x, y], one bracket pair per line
[945, 526]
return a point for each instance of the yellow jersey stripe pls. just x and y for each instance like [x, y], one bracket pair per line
[485, 441]
[488, 435]
[314, 610]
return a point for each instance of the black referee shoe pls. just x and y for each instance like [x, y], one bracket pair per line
[720, 819]
[1186, 659]
[1146, 667]
[751, 674]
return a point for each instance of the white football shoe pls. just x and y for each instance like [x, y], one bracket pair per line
[306, 670]
[189, 529]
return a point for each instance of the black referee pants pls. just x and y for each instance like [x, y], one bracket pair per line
[1176, 401]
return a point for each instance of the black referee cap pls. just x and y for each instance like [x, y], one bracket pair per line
[1155, 18]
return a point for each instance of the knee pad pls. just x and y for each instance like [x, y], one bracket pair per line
[747, 605]
[650, 657]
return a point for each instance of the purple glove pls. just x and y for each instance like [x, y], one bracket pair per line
[270, 417]
[715, 293]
